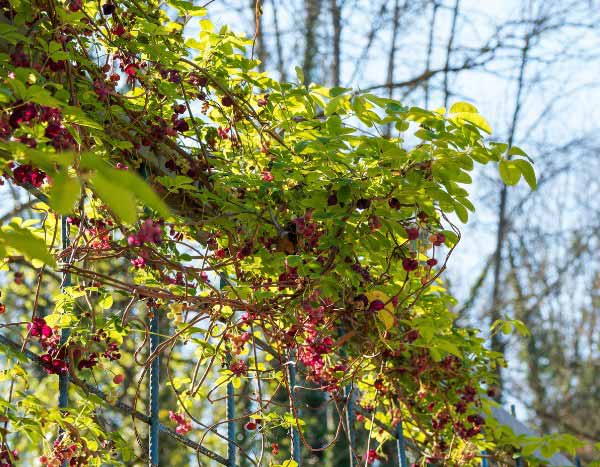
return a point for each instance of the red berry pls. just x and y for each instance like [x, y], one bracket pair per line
[413, 233]
[431, 262]
[131, 69]
[118, 379]
[75, 5]
[118, 30]
[410, 264]
[439, 239]
[227, 101]
[250, 426]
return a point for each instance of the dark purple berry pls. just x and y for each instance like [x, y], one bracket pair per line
[108, 9]
[363, 203]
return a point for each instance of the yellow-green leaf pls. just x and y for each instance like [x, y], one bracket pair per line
[25, 242]
[117, 197]
[386, 317]
[463, 107]
[106, 302]
[527, 171]
[475, 119]
[143, 192]
[64, 193]
[509, 172]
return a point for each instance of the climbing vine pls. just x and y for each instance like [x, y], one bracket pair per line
[267, 225]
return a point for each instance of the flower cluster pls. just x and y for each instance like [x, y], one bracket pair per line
[25, 174]
[7, 457]
[238, 367]
[149, 232]
[183, 424]
[66, 451]
[54, 360]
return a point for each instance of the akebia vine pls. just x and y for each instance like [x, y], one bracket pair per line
[264, 223]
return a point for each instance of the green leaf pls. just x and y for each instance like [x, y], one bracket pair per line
[475, 119]
[143, 192]
[521, 328]
[509, 172]
[76, 115]
[106, 302]
[31, 246]
[462, 213]
[59, 319]
[64, 193]
[300, 75]
[294, 261]
[387, 318]
[344, 194]
[117, 197]
[459, 107]
[125, 181]
[516, 151]
[527, 171]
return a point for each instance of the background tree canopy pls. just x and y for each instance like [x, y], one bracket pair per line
[277, 240]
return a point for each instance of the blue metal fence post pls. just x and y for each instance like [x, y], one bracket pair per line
[350, 419]
[154, 388]
[230, 403]
[484, 462]
[63, 378]
[230, 425]
[514, 414]
[577, 461]
[294, 430]
[401, 445]
[154, 427]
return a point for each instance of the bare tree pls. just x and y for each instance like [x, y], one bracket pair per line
[311, 42]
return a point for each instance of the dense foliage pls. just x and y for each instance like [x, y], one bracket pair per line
[277, 225]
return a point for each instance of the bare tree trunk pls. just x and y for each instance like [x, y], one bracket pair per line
[278, 43]
[313, 9]
[430, 49]
[258, 43]
[392, 54]
[336, 22]
[497, 343]
[449, 51]
[392, 58]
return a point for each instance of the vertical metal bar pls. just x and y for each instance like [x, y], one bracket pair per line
[154, 388]
[63, 378]
[484, 461]
[577, 461]
[401, 445]
[294, 430]
[230, 425]
[350, 419]
[154, 428]
[230, 404]
[514, 414]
